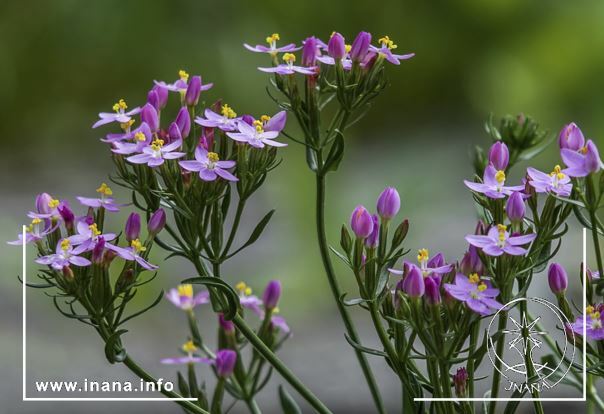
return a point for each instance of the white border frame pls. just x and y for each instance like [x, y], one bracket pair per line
[24, 386]
[584, 398]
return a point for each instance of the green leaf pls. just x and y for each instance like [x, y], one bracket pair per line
[336, 153]
[341, 256]
[311, 159]
[352, 302]
[288, 404]
[364, 349]
[256, 233]
[213, 283]
[114, 351]
[140, 312]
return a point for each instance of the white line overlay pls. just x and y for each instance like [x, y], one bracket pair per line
[582, 399]
[24, 362]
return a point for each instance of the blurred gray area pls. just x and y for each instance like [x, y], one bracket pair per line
[62, 62]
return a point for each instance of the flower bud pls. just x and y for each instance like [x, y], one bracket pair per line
[67, 215]
[388, 203]
[98, 251]
[557, 278]
[271, 294]
[227, 326]
[225, 362]
[309, 51]
[193, 91]
[360, 47]
[592, 157]
[183, 121]
[460, 379]
[361, 222]
[413, 284]
[248, 119]
[432, 291]
[499, 155]
[515, 207]
[480, 229]
[336, 47]
[67, 273]
[42, 203]
[162, 95]
[174, 132]
[156, 222]
[153, 99]
[571, 137]
[372, 241]
[133, 227]
[471, 262]
[277, 122]
[149, 115]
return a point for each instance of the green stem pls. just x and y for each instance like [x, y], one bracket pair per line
[253, 406]
[337, 293]
[499, 349]
[527, 358]
[285, 372]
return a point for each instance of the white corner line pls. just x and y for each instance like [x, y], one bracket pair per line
[24, 353]
[582, 399]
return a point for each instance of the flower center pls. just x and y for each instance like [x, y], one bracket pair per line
[137, 246]
[386, 42]
[157, 145]
[243, 288]
[185, 290]
[104, 190]
[53, 203]
[500, 177]
[139, 136]
[422, 257]
[272, 40]
[126, 125]
[94, 230]
[34, 225]
[583, 150]
[289, 58]
[120, 106]
[259, 126]
[189, 347]
[184, 76]
[474, 278]
[227, 111]
[557, 174]
[501, 229]
[65, 244]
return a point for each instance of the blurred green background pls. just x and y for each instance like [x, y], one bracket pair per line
[62, 62]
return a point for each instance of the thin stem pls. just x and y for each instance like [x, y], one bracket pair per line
[337, 293]
[527, 358]
[253, 406]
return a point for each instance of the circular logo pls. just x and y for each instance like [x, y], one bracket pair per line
[523, 339]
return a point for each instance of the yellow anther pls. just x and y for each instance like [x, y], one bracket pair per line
[500, 176]
[289, 58]
[126, 125]
[120, 105]
[265, 118]
[53, 203]
[65, 244]
[185, 290]
[228, 111]
[557, 172]
[347, 48]
[259, 126]
[137, 246]
[583, 150]
[36, 221]
[104, 190]
[139, 136]
[501, 229]
[590, 309]
[385, 41]
[474, 278]
[213, 157]
[94, 229]
[595, 315]
[482, 287]
[183, 75]
[243, 288]
[272, 38]
[189, 347]
[157, 144]
[423, 255]
[275, 310]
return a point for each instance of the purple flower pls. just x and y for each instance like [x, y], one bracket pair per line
[132, 253]
[310, 51]
[271, 294]
[361, 222]
[150, 117]
[162, 96]
[280, 323]
[248, 300]
[209, 166]
[181, 84]
[471, 262]
[373, 239]
[432, 290]
[133, 227]
[478, 295]
[360, 47]
[182, 297]
[433, 267]
[499, 155]
[157, 221]
[153, 99]
[256, 135]
[98, 251]
[88, 235]
[183, 120]
[571, 137]
[272, 46]
[47, 208]
[498, 241]
[583, 162]
[557, 278]
[386, 48]
[37, 230]
[594, 328]
[288, 68]
[193, 91]
[555, 182]
[189, 348]
[514, 208]
[65, 254]
[225, 362]
[493, 184]
[120, 115]
[66, 214]
[388, 203]
[460, 380]
[413, 283]
[336, 47]
[139, 135]
[225, 121]
[155, 154]
[273, 123]
[105, 201]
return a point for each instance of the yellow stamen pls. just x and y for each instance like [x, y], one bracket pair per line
[120, 105]
[265, 118]
[126, 125]
[558, 173]
[94, 229]
[213, 157]
[65, 243]
[482, 287]
[137, 245]
[183, 75]
[474, 278]
[157, 144]
[189, 347]
[500, 176]
[590, 309]
[273, 38]
[259, 126]
[501, 229]
[228, 111]
[289, 58]
[243, 288]
[347, 48]
[423, 255]
[53, 203]
[583, 150]
[139, 136]
[385, 41]
[36, 221]
[595, 315]
[185, 290]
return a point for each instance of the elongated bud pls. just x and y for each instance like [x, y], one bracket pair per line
[149, 116]
[193, 91]
[471, 262]
[557, 278]
[271, 294]
[460, 379]
[174, 132]
[183, 121]
[43, 203]
[162, 95]
[571, 137]
[593, 163]
[481, 228]
[413, 283]
[225, 362]
[248, 119]
[360, 47]
[361, 222]
[153, 99]
[499, 155]
[67, 215]
[388, 203]
[432, 291]
[309, 51]
[345, 239]
[372, 241]
[98, 251]
[156, 222]
[67, 273]
[336, 47]
[515, 208]
[227, 326]
[133, 227]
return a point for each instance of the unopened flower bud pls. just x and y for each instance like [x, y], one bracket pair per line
[271, 294]
[372, 241]
[460, 379]
[162, 95]
[361, 222]
[413, 283]
[227, 326]
[67, 215]
[248, 119]
[336, 47]
[43, 203]
[499, 155]
[153, 99]
[432, 291]
[183, 120]
[592, 158]
[156, 222]
[149, 116]
[515, 208]
[225, 362]
[480, 229]
[309, 51]
[98, 251]
[174, 132]
[193, 91]
[557, 278]
[571, 137]
[471, 262]
[67, 273]
[388, 203]
[360, 47]
[133, 227]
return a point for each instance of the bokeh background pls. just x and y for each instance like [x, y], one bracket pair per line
[63, 61]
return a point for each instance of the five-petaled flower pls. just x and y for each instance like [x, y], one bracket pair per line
[120, 115]
[132, 253]
[582, 162]
[498, 241]
[105, 200]
[434, 267]
[493, 184]
[155, 154]
[209, 166]
[65, 254]
[385, 49]
[183, 298]
[188, 348]
[272, 48]
[256, 135]
[594, 326]
[37, 230]
[180, 85]
[555, 182]
[248, 300]
[225, 121]
[477, 294]
[88, 235]
[288, 68]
